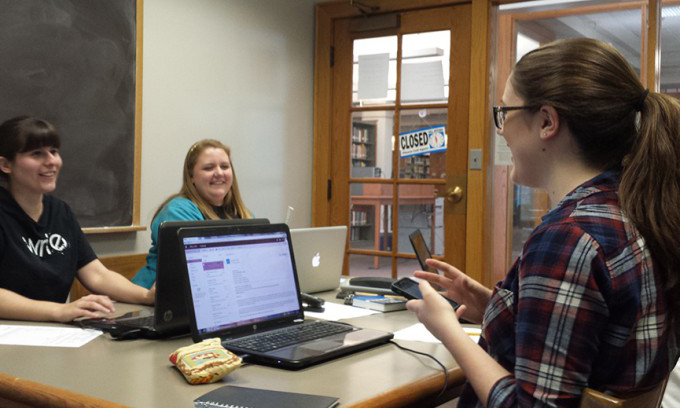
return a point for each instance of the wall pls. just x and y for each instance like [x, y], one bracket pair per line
[240, 71]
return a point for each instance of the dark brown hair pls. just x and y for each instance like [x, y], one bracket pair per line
[25, 133]
[617, 124]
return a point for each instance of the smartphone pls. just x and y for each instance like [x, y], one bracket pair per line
[408, 288]
[421, 250]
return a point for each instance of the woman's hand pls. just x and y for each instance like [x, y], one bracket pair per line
[435, 312]
[89, 306]
[150, 296]
[458, 286]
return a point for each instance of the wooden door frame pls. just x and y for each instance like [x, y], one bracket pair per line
[478, 219]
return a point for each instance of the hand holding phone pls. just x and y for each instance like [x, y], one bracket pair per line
[408, 288]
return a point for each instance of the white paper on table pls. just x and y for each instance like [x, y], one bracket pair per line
[46, 336]
[418, 332]
[335, 311]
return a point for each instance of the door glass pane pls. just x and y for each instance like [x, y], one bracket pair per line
[670, 49]
[422, 143]
[370, 215]
[374, 73]
[622, 29]
[371, 144]
[369, 265]
[419, 208]
[425, 67]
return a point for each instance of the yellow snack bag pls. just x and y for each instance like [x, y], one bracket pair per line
[205, 362]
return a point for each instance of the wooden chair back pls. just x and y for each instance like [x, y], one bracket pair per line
[126, 265]
[647, 399]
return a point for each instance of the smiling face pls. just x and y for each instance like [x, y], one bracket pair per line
[33, 172]
[212, 175]
[521, 132]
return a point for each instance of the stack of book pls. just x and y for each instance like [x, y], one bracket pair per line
[380, 303]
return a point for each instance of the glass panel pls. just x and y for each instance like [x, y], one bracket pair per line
[371, 149]
[370, 214]
[405, 267]
[670, 49]
[422, 143]
[620, 28]
[368, 265]
[419, 208]
[425, 67]
[374, 73]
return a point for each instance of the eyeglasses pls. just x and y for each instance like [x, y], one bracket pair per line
[499, 113]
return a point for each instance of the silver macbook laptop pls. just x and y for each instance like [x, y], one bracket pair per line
[243, 288]
[319, 255]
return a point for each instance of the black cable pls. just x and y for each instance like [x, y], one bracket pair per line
[446, 374]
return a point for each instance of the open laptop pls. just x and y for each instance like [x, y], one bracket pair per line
[319, 255]
[243, 285]
[169, 316]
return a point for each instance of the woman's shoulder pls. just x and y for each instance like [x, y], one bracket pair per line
[180, 208]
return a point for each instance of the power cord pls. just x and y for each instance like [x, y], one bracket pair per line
[446, 374]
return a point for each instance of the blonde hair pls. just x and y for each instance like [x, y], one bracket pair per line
[233, 206]
[617, 124]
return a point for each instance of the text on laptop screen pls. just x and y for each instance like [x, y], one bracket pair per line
[240, 279]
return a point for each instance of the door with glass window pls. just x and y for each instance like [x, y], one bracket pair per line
[399, 137]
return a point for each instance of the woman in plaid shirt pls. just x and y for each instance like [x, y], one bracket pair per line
[589, 302]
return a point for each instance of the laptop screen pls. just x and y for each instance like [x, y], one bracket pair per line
[240, 279]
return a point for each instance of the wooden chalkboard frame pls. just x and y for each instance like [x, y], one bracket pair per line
[78, 64]
[137, 184]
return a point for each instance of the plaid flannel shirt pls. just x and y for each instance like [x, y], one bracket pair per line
[581, 307]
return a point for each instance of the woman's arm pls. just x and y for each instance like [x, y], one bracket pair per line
[17, 307]
[99, 279]
[482, 371]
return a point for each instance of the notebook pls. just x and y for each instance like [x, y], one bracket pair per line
[319, 255]
[244, 397]
[243, 288]
[169, 316]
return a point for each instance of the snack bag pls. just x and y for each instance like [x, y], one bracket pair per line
[205, 362]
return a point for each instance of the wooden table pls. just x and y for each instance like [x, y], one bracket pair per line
[137, 373]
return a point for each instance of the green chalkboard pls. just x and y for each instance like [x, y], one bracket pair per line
[73, 63]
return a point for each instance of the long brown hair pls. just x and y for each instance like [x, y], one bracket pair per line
[617, 124]
[233, 206]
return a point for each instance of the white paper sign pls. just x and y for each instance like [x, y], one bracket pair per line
[373, 70]
[422, 141]
[422, 81]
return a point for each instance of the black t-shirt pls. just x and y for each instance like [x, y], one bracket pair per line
[39, 260]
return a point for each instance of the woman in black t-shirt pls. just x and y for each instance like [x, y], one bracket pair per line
[42, 248]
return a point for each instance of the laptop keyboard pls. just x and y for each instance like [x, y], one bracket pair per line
[276, 339]
[145, 321]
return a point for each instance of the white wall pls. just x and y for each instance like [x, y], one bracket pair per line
[240, 71]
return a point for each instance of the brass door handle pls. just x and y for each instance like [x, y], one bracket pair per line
[454, 194]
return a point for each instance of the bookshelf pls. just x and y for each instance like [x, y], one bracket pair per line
[363, 144]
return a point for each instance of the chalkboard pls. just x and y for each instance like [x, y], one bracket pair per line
[73, 63]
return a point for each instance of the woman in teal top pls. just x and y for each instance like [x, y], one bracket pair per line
[209, 192]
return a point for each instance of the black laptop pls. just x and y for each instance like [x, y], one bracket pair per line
[243, 288]
[169, 317]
